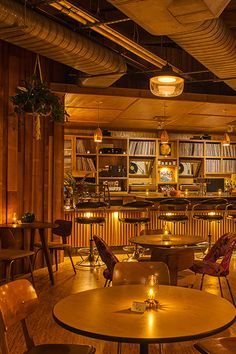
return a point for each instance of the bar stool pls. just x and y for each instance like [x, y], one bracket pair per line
[173, 210]
[98, 197]
[217, 205]
[136, 205]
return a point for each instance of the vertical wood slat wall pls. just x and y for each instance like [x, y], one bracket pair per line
[31, 172]
[116, 233]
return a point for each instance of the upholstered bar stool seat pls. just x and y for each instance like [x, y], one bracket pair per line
[222, 345]
[90, 220]
[174, 218]
[135, 220]
[208, 217]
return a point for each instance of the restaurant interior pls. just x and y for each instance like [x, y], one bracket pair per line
[118, 176]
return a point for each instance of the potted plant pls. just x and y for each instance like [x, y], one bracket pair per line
[35, 97]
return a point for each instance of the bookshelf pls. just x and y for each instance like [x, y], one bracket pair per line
[144, 164]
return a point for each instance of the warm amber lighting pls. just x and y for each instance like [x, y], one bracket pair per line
[219, 192]
[212, 213]
[186, 192]
[226, 140]
[97, 135]
[164, 138]
[88, 215]
[14, 218]
[167, 83]
[115, 214]
[151, 294]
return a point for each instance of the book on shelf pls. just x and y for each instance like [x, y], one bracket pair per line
[80, 148]
[191, 149]
[142, 148]
[212, 166]
[213, 149]
[85, 164]
[229, 151]
[229, 166]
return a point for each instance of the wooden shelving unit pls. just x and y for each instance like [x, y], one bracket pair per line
[144, 164]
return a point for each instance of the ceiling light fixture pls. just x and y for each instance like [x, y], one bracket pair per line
[97, 137]
[167, 83]
[226, 140]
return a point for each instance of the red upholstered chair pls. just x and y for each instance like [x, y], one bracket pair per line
[107, 257]
[209, 266]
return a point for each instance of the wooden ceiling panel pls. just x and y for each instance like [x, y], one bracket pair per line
[91, 101]
[91, 115]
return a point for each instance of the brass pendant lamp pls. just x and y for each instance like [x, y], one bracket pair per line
[97, 137]
[167, 83]
[226, 140]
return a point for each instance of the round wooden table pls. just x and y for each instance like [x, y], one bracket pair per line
[174, 250]
[41, 227]
[183, 314]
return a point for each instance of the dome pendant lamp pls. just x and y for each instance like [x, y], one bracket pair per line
[167, 83]
[97, 137]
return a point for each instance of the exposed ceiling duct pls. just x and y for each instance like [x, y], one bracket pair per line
[193, 25]
[41, 35]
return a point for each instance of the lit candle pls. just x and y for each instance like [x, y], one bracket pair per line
[219, 192]
[186, 192]
[151, 294]
[14, 218]
[147, 191]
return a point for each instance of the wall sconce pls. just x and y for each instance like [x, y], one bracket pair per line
[167, 83]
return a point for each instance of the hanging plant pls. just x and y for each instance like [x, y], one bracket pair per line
[35, 97]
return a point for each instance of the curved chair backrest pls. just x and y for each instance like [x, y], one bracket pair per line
[106, 253]
[7, 239]
[223, 247]
[64, 229]
[175, 204]
[151, 232]
[126, 273]
[139, 204]
[18, 300]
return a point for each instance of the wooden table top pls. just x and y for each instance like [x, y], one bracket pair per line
[160, 240]
[29, 225]
[183, 314]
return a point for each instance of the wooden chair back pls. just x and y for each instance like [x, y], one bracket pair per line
[126, 273]
[7, 239]
[18, 300]
[64, 229]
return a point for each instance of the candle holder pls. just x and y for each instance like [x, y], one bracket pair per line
[14, 218]
[152, 290]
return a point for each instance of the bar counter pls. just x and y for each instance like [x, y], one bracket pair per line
[116, 233]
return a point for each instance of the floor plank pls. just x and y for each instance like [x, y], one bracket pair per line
[45, 330]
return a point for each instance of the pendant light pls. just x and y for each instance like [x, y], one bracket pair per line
[164, 138]
[167, 83]
[226, 140]
[97, 137]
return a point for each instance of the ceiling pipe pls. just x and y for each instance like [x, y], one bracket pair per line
[41, 35]
[88, 20]
[193, 25]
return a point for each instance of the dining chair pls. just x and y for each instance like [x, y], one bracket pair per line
[210, 265]
[126, 273]
[131, 273]
[222, 345]
[64, 231]
[108, 257]
[9, 254]
[18, 300]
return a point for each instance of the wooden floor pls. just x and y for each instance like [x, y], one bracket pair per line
[45, 330]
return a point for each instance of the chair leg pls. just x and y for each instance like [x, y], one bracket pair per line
[203, 275]
[35, 257]
[56, 259]
[8, 271]
[119, 348]
[71, 260]
[109, 283]
[105, 284]
[221, 291]
[31, 271]
[231, 294]
[160, 348]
